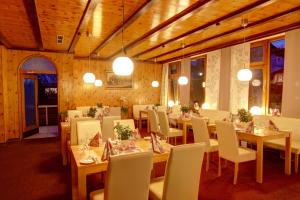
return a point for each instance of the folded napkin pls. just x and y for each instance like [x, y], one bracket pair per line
[156, 146]
[272, 126]
[108, 150]
[95, 141]
[250, 128]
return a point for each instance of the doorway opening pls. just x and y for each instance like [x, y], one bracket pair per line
[39, 98]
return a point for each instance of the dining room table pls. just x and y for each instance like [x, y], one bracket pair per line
[79, 171]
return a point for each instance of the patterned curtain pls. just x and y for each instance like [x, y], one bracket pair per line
[164, 85]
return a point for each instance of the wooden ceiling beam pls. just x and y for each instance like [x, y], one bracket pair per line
[237, 13]
[257, 23]
[83, 23]
[196, 7]
[4, 41]
[34, 21]
[140, 11]
[236, 42]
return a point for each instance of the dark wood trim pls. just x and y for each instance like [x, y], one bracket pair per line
[38, 50]
[236, 42]
[183, 15]
[237, 13]
[83, 23]
[34, 21]
[259, 22]
[140, 11]
[4, 41]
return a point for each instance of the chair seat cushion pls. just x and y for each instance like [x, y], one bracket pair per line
[213, 145]
[280, 144]
[156, 188]
[246, 154]
[174, 132]
[97, 195]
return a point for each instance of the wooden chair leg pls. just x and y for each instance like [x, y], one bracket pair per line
[236, 171]
[207, 161]
[296, 162]
[219, 166]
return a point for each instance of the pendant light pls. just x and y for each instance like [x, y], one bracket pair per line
[183, 80]
[155, 83]
[244, 74]
[98, 83]
[89, 77]
[123, 65]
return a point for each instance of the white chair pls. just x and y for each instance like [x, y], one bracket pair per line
[229, 147]
[201, 134]
[86, 130]
[84, 109]
[74, 114]
[108, 127]
[128, 178]
[154, 123]
[125, 122]
[115, 111]
[73, 129]
[182, 175]
[165, 128]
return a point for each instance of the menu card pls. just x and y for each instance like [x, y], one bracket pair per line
[156, 145]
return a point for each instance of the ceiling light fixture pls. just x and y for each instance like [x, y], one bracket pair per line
[244, 74]
[89, 77]
[98, 83]
[123, 65]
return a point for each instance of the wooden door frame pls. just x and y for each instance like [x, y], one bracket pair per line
[22, 77]
[20, 72]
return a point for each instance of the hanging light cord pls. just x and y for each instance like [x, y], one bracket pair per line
[88, 34]
[123, 8]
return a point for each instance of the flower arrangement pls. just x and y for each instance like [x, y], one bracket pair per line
[124, 132]
[244, 115]
[92, 112]
[185, 109]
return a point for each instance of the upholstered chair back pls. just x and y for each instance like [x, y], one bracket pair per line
[108, 127]
[86, 130]
[154, 124]
[163, 122]
[200, 130]
[128, 177]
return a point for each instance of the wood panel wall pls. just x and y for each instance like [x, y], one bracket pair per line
[72, 91]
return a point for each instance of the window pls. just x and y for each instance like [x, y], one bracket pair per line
[267, 64]
[197, 80]
[173, 89]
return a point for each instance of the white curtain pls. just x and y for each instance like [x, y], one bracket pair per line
[164, 86]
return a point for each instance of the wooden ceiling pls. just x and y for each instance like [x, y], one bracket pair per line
[160, 30]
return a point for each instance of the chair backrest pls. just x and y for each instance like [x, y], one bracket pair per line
[154, 124]
[74, 114]
[108, 127]
[128, 176]
[227, 138]
[84, 109]
[115, 111]
[136, 110]
[200, 130]
[73, 129]
[183, 171]
[86, 130]
[163, 122]
[125, 122]
[214, 115]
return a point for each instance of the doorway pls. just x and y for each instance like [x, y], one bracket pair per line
[39, 98]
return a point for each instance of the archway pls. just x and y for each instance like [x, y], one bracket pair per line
[38, 97]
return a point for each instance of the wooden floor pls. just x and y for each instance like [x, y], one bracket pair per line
[32, 170]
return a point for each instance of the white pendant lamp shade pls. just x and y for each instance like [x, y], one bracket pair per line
[155, 84]
[89, 77]
[123, 66]
[98, 83]
[183, 80]
[244, 75]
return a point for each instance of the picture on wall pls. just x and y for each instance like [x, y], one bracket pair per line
[118, 82]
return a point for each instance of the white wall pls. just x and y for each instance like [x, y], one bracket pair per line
[291, 80]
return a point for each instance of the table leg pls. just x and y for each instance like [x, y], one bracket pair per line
[81, 185]
[184, 127]
[74, 179]
[63, 144]
[259, 160]
[288, 155]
